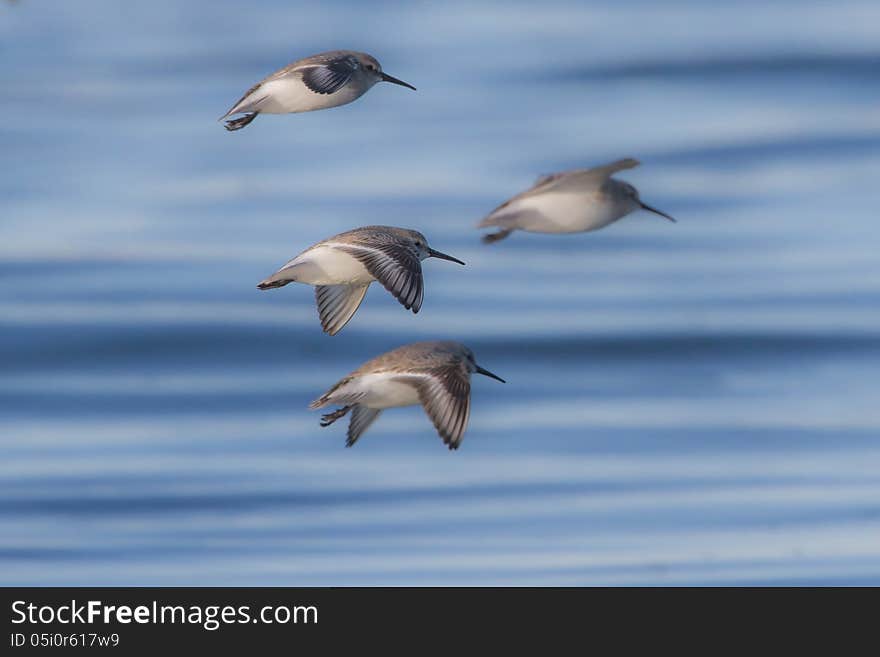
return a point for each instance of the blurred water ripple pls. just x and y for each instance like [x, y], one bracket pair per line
[688, 404]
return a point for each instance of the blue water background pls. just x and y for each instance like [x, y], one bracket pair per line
[686, 404]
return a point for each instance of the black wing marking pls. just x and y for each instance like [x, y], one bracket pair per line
[330, 77]
[396, 267]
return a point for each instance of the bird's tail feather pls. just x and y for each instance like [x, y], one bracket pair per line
[280, 278]
[331, 397]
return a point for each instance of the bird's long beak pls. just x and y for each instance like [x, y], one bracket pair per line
[389, 78]
[436, 254]
[647, 207]
[480, 370]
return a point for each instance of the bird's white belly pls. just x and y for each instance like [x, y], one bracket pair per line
[324, 265]
[567, 213]
[290, 94]
[381, 390]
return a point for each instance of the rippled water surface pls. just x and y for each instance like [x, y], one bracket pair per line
[686, 404]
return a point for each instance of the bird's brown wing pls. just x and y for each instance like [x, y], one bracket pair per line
[329, 77]
[395, 266]
[445, 394]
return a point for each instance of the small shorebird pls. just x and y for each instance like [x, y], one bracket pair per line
[327, 79]
[569, 202]
[342, 267]
[436, 375]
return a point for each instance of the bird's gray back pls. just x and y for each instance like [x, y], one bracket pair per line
[416, 357]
